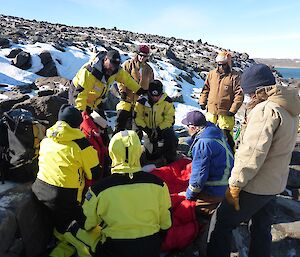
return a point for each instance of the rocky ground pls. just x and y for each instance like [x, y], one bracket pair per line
[19, 215]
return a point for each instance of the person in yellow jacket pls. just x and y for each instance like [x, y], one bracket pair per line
[66, 159]
[91, 84]
[155, 116]
[131, 206]
[142, 72]
[222, 95]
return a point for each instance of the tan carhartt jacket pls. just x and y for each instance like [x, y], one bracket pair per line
[222, 93]
[262, 161]
[141, 73]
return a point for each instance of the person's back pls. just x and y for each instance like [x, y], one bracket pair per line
[132, 206]
[211, 146]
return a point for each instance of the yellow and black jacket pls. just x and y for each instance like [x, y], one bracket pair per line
[66, 159]
[129, 205]
[161, 114]
[90, 85]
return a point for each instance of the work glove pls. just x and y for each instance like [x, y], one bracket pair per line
[232, 196]
[141, 91]
[202, 106]
[123, 95]
[230, 113]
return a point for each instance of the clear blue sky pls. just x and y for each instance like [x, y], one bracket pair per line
[262, 28]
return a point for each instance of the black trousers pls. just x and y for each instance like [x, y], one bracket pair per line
[258, 208]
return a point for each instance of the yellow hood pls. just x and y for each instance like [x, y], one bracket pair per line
[125, 151]
[61, 132]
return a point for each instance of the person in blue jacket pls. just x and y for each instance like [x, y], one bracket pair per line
[212, 161]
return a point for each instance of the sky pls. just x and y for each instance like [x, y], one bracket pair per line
[261, 28]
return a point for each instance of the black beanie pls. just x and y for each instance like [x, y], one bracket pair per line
[257, 75]
[70, 115]
[155, 88]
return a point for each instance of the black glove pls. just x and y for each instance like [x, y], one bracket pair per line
[123, 95]
[230, 113]
[148, 131]
[202, 106]
[141, 91]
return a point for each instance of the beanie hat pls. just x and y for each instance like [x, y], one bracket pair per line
[114, 57]
[70, 115]
[144, 50]
[257, 75]
[195, 118]
[155, 88]
[223, 57]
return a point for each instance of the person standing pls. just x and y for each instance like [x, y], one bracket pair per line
[142, 73]
[261, 165]
[222, 95]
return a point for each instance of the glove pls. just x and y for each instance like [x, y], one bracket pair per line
[148, 131]
[230, 113]
[123, 95]
[141, 91]
[232, 196]
[202, 106]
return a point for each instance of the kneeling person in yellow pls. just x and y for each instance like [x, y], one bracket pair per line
[131, 206]
[66, 160]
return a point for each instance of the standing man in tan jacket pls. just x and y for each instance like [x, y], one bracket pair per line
[222, 95]
[261, 165]
[142, 73]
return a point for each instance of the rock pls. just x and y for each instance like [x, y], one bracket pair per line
[32, 229]
[14, 98]
[4, 43]
[22, 60]
[13, 53]
[49, 69]
[43, 108]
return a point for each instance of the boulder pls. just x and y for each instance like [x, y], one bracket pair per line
[49, 69]
[22, 60]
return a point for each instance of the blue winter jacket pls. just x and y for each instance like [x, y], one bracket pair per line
[210, 160]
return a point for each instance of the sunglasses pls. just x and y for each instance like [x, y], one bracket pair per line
[222, 64]
[143, 55]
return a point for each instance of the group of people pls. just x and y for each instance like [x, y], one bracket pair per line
[129, 212]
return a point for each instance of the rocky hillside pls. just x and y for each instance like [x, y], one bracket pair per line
[285, 63]
[184, 54]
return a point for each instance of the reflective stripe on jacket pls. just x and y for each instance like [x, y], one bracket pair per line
[66, 158]
[161, 114]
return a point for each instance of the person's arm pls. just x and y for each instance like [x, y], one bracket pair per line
[124, 77]
[165, 209]
[205, 91]
[139, 115]
[169, 115]
[200, 169]
[257, 140]
[91, 166]
[84, 81]
[90, 207]
[238, 95]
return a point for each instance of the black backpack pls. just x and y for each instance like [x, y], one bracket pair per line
[20, 138]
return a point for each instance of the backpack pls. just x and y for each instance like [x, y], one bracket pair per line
[20, 138]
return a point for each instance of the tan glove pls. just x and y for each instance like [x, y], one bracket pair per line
[232, 196]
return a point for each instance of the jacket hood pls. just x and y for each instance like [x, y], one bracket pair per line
[62, 132]
[287, 97]
[125, 151]
[211, 131]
